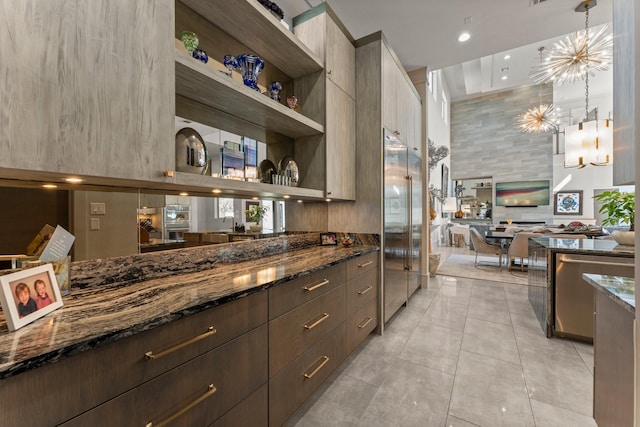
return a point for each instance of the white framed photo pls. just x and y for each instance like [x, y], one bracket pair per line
[28, 295]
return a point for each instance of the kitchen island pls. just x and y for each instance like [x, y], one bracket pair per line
[613, 345]
[562, 301]
[97, 342]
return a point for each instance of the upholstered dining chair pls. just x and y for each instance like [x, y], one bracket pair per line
[519, 248]
[480, 245]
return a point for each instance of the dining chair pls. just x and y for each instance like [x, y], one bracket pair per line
[519, 248]
[480, 245]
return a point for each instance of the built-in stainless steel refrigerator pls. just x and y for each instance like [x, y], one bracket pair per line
[402, 223]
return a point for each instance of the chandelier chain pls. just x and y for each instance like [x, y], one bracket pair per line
[586, 64]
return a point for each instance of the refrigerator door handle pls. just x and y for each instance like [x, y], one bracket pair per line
[408, 246]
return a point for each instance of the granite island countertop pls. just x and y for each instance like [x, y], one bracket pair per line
[96, 315]
[585, 246]
[619, 289]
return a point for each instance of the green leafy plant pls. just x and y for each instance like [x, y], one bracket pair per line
[619, 207]
[255, 213]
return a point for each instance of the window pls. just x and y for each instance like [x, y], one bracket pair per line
[445, 106]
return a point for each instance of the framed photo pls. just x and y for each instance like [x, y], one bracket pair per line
[567, 203]
[28, 295]
[328, 239]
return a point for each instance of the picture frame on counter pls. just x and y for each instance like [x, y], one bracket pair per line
[567, 202]
[328, 239]
[28, 295]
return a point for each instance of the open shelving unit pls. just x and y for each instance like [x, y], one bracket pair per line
[204, 89]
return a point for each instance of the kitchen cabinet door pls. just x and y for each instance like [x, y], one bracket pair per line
[92, 91]
[389, 90]
[340, 59]
[341, 144]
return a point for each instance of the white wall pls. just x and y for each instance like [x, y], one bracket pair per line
[438, 128]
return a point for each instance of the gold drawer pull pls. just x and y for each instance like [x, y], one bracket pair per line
[314, 287]
[210, 331]
[365, 323]
[210, 391]
[322, 318]
[365, 290]
[325, 360]
[365, 264]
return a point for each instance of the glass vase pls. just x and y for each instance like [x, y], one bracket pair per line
[250, 67]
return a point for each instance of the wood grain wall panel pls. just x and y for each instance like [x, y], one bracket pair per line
[625, 98]
[100, 75]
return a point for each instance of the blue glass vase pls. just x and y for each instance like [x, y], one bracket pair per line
[274, 90]
[200, 55]
[230, 63]
[250, 67]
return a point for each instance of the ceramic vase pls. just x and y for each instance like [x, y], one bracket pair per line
[292, 102]
[255, 228]
[250, 67]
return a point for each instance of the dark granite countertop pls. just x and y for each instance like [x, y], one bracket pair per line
[620, 289]
[585, 246]
[96, 315]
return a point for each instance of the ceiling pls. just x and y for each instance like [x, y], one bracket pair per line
[424, 33]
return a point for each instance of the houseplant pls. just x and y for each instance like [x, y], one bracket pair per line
[619, 208]
[255, 213]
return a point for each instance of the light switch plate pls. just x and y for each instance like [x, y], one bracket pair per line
[95, 223]
[98, 209]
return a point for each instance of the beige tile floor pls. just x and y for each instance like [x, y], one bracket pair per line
[464, 352]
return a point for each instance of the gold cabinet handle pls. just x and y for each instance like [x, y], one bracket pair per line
[210, 331]
[365, 290]
[325, 360]
[316, 286]
[365, 264]
[210, 391]
[322, 318]
[365, 323]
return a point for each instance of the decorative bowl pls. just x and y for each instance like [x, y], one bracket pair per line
[200, 55]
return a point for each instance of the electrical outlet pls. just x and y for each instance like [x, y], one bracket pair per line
[95, 223]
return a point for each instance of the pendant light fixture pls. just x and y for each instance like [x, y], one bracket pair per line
[590, 141]
[539, 119]
[568, 60]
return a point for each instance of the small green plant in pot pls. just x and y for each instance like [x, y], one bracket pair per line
[619, 208]
[255, 213]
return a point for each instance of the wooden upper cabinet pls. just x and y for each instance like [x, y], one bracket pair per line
[91, 92]
[340, 62]
[341, 144]
[389, 90]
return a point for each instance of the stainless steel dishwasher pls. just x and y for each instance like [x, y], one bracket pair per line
[574, 298]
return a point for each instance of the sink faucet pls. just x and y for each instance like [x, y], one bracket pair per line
[232, 219]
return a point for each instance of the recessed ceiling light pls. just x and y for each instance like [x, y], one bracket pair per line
[299, 201]
[183, 194]
[216, 191]
[49, 186]
[504, 77]
[286, 196]
[507, 57]
[73, 180]
[464, 37]
[254, 198]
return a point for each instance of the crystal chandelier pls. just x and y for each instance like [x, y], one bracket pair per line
[538, 119]
[588, 142]
[578, 54]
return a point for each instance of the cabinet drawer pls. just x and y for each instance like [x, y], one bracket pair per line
[361, 324]
[361, 290]
[293, 333]
[96, 376]
[293, 385]
[287, 296]
[362, 264]
[234, 370]
[252, 411]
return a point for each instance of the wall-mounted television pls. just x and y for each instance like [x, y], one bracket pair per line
[522, 193]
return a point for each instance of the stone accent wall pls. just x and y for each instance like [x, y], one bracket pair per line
[485, 142]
